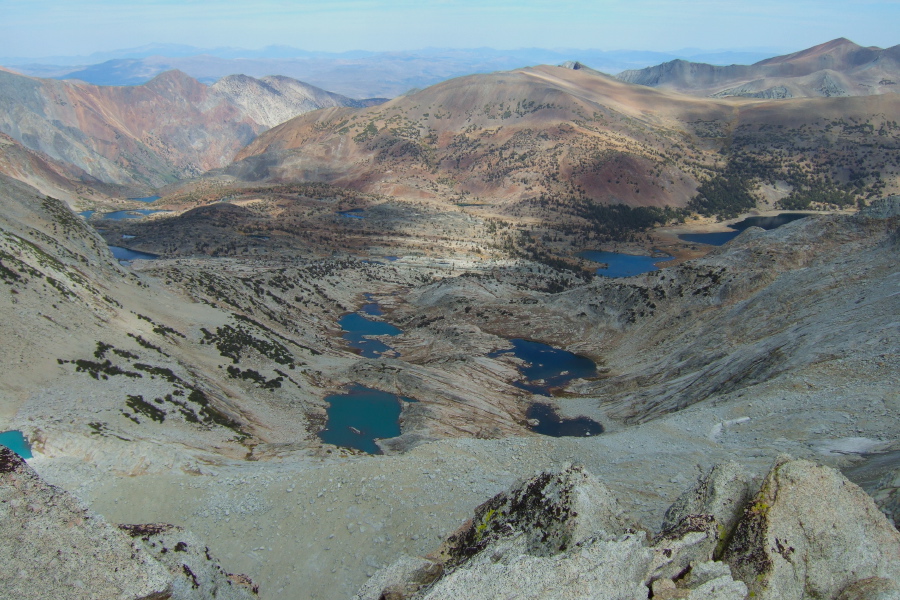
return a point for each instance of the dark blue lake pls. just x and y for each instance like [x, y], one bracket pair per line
[622, 265]
[722, 237]
[146, 199]
[15, 441]
[357, 327]
[353, 213]
[121, 215]
[360, 416]
[126, 254]
[718, 238]
[550, 423]
[547, 367]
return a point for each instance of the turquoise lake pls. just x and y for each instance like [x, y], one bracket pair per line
[357, 327]
[360, 416]
[15, 441]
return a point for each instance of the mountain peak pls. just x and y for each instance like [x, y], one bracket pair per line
[172, 76]
[841, 46]
[178, 82]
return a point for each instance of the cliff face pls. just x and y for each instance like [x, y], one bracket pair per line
[807, 533]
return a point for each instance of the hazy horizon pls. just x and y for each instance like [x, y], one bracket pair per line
[83, 28]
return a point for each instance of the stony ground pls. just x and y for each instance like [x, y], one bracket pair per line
[784, 342]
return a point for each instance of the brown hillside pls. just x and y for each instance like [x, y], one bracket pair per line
[537, 136]
[504, 136]
[50, 177]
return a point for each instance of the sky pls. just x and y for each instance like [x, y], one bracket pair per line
[38, 28]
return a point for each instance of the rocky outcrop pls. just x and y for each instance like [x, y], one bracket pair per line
[193, 571]
[54, 547]
[808, 533]
[884, 208]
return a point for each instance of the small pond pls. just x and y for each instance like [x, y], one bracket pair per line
[146, 199]
[360, 416]
[547, 367]
[87, 213]
[15, 441]
[357, 327]
[353, 213]
[622, 265]
[721, 237]
[550, 423]
[124, 254]
[121, 215]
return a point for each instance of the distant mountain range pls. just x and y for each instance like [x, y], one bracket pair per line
[149, 135]
[836, 68]
[524, 138]
[357, 74]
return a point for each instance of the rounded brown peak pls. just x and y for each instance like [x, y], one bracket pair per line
[174, 79]
[843, 45]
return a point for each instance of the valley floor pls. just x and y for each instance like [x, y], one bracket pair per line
[153, 400]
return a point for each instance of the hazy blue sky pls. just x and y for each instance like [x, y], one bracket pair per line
[68, 27]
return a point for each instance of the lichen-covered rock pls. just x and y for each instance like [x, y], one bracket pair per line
[595, 570]
[697, 524]
[550, 512]
[811, 533]
[704, 572]
[54, 547]
[694, 539]
[196, 575]
[722, 588]
[871, 588]
[721, 492]
[400, 580]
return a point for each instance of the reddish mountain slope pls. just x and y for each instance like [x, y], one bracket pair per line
[504, 136]
[148, 135]
[546, 134]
